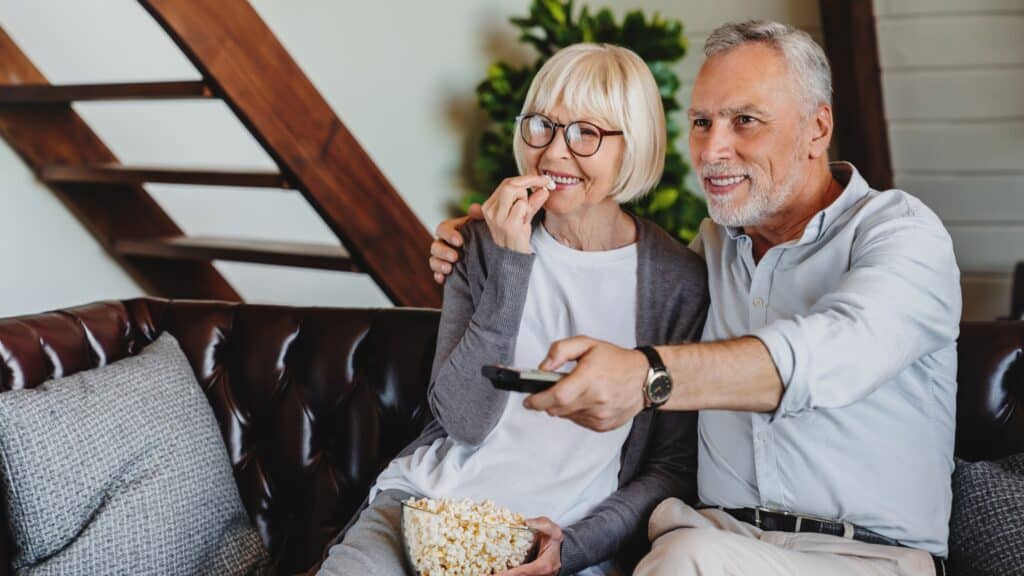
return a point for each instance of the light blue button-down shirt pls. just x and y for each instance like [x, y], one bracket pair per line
[860, 316]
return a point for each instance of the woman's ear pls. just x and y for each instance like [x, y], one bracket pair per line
[821, 131]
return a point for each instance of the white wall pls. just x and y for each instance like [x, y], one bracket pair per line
[49, 260]
[953, 82]
[401, 75]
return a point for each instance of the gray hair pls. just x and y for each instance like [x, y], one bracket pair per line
[806, 60]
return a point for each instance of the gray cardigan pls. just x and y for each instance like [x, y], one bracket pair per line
[484, 299]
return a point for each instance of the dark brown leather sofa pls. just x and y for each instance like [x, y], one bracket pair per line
[312, 402]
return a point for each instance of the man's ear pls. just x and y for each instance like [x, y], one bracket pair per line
[821, 131]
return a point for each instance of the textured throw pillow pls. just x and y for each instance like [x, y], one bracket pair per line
[122, 470]
[986, 534]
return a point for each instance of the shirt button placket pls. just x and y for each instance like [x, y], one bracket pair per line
[758, 303]
[765, 462]
[761, 287]
[764, 474]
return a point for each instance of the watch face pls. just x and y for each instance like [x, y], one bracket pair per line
[660, 388]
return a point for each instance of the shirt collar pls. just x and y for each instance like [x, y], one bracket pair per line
[854, 188]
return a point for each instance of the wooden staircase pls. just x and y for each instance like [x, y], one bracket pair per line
[243, 64]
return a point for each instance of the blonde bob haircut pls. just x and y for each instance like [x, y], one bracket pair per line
[613, 87]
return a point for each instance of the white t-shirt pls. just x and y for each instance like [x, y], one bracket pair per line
[533, 463]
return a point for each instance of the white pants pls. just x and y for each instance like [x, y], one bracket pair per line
[710, 542]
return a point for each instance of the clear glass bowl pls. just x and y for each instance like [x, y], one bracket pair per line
[438, 545]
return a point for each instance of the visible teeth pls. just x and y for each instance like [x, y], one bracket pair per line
[727, 181]
[563, 179]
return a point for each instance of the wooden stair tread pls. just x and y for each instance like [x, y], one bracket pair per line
[205, 248]
[276, 101]
[46, 134]
[121, 174]
[243, 64]
[48, 93]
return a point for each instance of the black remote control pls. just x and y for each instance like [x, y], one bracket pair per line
[520, 380]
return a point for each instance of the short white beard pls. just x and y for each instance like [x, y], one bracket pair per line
[762, 202]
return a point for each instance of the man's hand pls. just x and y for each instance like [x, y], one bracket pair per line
[549, 559]
[444, 249]
[602, 393]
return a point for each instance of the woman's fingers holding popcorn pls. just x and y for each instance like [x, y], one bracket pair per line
[509, 210]
[512, 190]
[532, 181]
[503, 199]
[537, 199]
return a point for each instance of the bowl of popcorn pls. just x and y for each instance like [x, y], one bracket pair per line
[464, 538]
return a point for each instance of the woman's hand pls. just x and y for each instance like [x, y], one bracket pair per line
[444, 251]
[549, 559]
[510, 209]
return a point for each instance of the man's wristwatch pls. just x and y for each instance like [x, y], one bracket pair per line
[658, 385]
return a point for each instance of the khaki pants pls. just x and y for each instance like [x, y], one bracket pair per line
[710, 542]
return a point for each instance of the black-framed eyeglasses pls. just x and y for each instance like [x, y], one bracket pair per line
[583, 138]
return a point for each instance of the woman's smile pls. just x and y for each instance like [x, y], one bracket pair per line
[563, 180]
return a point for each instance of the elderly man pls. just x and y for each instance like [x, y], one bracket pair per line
[826, 376]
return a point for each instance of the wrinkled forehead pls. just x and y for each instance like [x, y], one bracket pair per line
[748, 76]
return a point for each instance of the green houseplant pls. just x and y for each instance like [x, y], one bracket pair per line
[550, 26]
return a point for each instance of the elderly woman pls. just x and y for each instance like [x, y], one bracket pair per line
[555, 256]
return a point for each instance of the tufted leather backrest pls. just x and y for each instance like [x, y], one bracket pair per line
[990, 392]
[312, 402]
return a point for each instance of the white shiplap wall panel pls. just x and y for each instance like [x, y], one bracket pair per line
[889, 8]
[945, 42]
[975, 147]
[959, 199]
[954, 94]
[988, 248]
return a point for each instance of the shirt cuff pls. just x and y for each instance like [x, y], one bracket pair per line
[781, 348]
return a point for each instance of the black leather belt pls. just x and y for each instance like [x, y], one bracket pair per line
[779, 521]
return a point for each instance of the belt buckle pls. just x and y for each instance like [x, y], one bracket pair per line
[799, 518]
[758, 510]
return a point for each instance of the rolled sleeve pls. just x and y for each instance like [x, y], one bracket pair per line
[782, 343]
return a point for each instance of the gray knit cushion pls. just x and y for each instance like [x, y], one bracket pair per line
[122, 470]
[986, 531]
